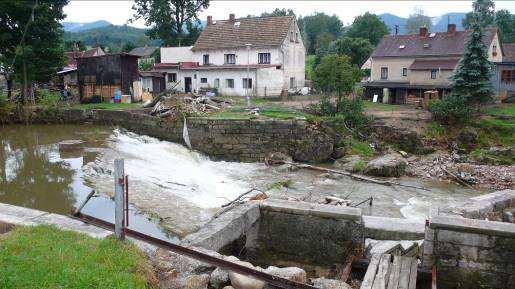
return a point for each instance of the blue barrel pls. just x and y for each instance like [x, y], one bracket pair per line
[117, 96]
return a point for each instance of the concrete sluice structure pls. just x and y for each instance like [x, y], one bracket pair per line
[317, 238]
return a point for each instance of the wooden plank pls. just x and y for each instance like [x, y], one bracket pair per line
[413, 274]
[393, 282]
[383, 272]
[405, 273]
[370, 275]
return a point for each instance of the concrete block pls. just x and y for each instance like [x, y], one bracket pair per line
[19, 215]
[473, 226]
[463, 238]
[381, 228]
[66, 223]
[318, 210]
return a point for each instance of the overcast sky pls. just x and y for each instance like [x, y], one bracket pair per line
[118, 12]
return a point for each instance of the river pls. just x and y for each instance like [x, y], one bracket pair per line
[173, 191]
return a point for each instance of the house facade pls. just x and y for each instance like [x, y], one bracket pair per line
[403, 67]
[503, 78]
[261, 56]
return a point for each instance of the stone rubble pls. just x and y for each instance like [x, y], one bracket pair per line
[482, 176]
[324, 283]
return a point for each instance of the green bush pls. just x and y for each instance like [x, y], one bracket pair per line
[45, 97]
[5, 107]
[450, 110]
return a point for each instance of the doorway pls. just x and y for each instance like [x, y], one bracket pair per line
[187, 84]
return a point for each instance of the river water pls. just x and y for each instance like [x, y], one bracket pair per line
[173, 191]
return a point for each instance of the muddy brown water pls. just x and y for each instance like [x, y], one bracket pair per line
[173, 191]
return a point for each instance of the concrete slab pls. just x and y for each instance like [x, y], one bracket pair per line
[19, 215]
[66, 223]
[381, 228]
[473, 226]
[318, 210]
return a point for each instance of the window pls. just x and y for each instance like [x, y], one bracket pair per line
[384, 72]
[229, 83]
[508, 76]
[291, 36]
[230, 58]
[292, 82]
[172, 77]
[404, 71]
[216, 84]
[203, 80]
[434, 73]
[247, 83]
[205, 59]
[494, 50]
[264, 58]
[297, 37]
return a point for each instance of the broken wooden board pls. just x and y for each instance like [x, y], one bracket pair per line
[383, 274]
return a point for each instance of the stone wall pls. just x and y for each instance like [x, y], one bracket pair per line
[470, 253]
[227, 139]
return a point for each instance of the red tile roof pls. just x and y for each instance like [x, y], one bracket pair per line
[441, 44]
[166, 65]
[258, 31]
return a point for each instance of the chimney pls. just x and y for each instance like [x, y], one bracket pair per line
[209, 20]
[451, 28]
[423, 31]
[232, 17]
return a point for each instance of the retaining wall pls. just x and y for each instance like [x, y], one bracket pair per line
[228, 139]
[470, 253]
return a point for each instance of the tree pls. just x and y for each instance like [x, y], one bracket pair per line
[336, 75]
[128, 46]
[506, 23]
[416, 20]
[279, 12]
[368, 26]
[472, 78]
[31, 46]
[318, 30]
[483, 10]
[358, 49]
[170, 19]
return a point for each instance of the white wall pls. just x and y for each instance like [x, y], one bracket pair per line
[217, 57]
[176, 54]
[294, 58]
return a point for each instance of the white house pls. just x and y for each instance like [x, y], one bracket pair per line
[261, 56]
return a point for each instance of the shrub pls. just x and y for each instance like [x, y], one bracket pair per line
[47, 97]
[450, 110]
[5, 107]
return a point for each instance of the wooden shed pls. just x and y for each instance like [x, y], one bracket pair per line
[99, 77]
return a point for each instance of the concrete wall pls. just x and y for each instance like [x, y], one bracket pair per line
[307, 233]
[177, 54]
[470, 253]
[423, 77]
[395, 66]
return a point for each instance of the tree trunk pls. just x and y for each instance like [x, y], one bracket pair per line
[25, 88]
[9, 81]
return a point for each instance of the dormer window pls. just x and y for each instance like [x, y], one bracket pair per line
[402, 46]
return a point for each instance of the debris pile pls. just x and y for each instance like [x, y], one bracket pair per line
[448, 167]
[172, 105]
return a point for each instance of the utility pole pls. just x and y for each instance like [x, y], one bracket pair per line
[248, 45]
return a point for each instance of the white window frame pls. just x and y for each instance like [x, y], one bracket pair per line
[229, 80]
[244, 83]
[202, 80]
[386, 74]
[230, 58]
[264, 58]
[435, 73]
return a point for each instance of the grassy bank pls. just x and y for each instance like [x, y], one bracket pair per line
[46, 257]
[105, 105]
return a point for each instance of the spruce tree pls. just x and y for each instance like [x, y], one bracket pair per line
[472, 78]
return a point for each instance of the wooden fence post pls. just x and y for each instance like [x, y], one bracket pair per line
[119, 181]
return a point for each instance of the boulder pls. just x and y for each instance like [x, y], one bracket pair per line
[324, 283]
[352, 163]
[219, 278]
[390, 165]
[467, 138]
[290, 273]
[239, 281]
[228, 287]
[338, 152]
[196, 281]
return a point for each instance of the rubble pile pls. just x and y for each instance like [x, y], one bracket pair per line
[450, 167]
[173, 106]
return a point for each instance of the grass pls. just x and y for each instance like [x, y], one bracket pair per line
[495, 131]
[361, 148]
[268, 112]
[105, 105]
[46, 257]
[359, 166]
[507, 109]
[382, 106]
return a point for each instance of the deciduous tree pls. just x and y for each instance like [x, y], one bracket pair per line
[368, 26]
[482, 11]
[358, 49]
[319, 30]
[416, 20]
[170, 20]
[336, 75]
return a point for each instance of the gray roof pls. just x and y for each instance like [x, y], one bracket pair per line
[258, 31]
[145, 51]
[441, 44]
[509, 52]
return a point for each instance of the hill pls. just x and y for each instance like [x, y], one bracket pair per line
[439, 22]
[79, 26]
[111, 36]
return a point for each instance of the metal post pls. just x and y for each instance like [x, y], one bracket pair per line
[119, 182]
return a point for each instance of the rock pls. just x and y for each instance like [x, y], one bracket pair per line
[290, 273]
[390, 165]
[324, 283]
[313, 146]
[197, 281]
[239, 281]
[228, 287]
[467, 139]
[279, 156]
[352, 163]
[338, 152]
[219, 278]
